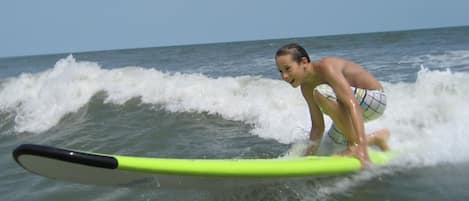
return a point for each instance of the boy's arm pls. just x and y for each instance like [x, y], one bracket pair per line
[357, 142]
[317, 120]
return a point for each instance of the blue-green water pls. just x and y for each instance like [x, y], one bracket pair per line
[226, 100]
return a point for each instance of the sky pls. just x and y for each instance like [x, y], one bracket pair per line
[61, 26]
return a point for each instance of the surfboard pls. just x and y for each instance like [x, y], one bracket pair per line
[104, 169]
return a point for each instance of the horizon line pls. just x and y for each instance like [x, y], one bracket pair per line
[221, 42]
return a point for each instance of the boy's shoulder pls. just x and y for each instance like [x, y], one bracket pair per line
[329, 64]
[331, 60]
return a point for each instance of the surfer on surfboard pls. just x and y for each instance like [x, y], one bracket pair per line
[342, 90]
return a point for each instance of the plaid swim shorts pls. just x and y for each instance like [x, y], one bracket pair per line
[372, 102]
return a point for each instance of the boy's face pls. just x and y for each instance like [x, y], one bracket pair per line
[290, 71]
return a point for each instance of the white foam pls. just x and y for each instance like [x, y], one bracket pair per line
[427, 118]
[41, 100]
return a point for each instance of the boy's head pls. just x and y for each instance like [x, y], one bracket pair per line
[292, 61]
[296, 51]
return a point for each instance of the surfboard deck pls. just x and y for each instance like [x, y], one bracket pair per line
[103, 169]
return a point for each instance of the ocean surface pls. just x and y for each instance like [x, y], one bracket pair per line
[226, 100]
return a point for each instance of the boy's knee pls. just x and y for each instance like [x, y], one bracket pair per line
[321, 101]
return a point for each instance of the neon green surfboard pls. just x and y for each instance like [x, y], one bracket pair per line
[103, 169]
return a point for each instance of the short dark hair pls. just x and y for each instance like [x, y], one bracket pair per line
[295, 50]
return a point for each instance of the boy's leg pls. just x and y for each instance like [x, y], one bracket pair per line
[337, 113]
[343, 122]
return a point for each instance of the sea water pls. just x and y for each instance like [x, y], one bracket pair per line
[226, 100]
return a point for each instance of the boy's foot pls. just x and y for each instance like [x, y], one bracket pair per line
[380, 138]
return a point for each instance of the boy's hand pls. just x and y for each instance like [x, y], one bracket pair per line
[357, 152]
[311, 150]
[362, 156]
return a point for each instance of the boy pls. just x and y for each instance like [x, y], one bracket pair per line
[341, 89]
